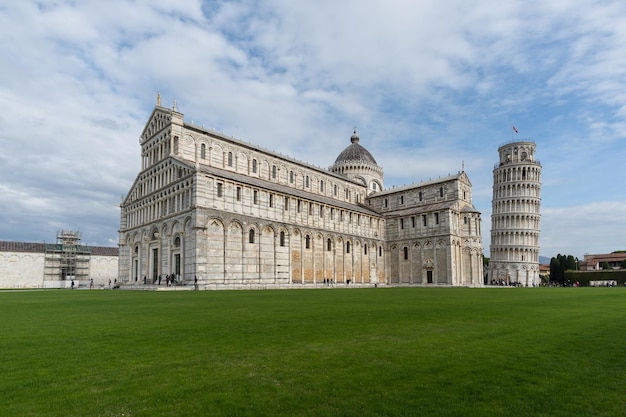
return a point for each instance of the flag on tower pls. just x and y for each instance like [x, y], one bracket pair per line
[515, 130]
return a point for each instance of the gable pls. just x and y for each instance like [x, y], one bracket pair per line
[159, 120]
[136, 192]
[465, 179]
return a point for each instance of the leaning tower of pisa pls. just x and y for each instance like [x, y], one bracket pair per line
[515, 216]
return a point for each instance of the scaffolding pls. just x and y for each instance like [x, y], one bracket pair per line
[67, 259]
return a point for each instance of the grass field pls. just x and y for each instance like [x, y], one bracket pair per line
[360, 352]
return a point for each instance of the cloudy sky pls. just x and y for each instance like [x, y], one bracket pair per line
[430, 85]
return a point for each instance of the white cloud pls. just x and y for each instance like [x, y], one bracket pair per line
[590, 228]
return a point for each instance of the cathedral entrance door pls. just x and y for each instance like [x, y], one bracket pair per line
[177, 264]
[155, 263]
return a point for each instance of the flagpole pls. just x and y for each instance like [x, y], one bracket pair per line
[513, 130]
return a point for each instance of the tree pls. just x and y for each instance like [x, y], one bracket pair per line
[623, 264]
[605, 266]
[559, 265]
[562, 266]
[555, 270]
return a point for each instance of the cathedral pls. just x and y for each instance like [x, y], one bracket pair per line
[210, 210]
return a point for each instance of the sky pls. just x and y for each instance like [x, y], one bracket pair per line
[431, 87]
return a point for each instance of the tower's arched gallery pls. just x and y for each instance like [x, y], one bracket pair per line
[210, 207]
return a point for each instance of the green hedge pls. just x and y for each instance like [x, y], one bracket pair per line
[584, 277]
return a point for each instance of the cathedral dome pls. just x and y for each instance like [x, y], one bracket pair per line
[357, 164]
[355, 152]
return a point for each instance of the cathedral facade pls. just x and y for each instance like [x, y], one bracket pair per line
[210, 208]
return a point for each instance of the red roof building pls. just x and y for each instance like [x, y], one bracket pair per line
[593, 262]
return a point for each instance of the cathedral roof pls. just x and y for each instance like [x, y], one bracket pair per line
[355, 152]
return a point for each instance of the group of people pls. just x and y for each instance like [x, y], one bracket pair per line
[170, 279]
[503, 283]
[91, 284]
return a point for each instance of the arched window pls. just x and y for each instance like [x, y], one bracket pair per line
[177, 242]
[230, 159]
[254, 166]
[274, 171]
[203, 151]
[282, 238]
[347, 247]
[307, 181]
[308, 242]
[365, 249]
[175, 145]
[291, 177]
[329, 245]
[406, 253]
[251, 236]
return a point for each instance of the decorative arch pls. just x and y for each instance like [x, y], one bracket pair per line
[240, 162]
[233, 252]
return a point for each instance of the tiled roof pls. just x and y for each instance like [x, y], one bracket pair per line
[609, 257]
[104, 251]
[7, 246]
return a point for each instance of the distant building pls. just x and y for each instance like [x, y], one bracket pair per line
[55, 265]
[544, 270]
[594, 262]
[514, 257]
[230, 214]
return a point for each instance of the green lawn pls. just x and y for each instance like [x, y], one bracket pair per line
[358, 352]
